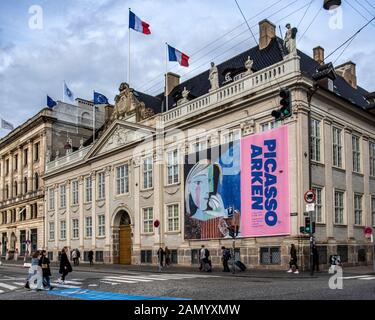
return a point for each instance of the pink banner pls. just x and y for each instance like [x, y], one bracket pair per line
[265, 184]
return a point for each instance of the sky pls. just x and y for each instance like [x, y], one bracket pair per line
[85, 43]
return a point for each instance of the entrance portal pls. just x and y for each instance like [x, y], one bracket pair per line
[125, 239]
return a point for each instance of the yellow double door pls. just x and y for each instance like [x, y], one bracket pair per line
[125, 245]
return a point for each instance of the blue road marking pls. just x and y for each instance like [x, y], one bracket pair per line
[84, 294]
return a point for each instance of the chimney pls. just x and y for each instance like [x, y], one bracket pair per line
[173, 80]
[267, 31]
[348, 72]
[319, 55]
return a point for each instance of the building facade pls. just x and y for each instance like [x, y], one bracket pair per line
[106, 197]
[23, 157]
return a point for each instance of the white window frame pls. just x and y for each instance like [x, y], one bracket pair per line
[88, 189]
[358, 209]
[122, 179]
[147, 170]
[231, 136]
[356, 152]
[101, 225]
[101, 185]
[148, 220]
[270, 125]
[337, 147]
[51, 199]
[315, 140]
[200, 144]
[339, 207]
[173, 217]
[373, 211]
[88, 227]
[51, 229]
[62, 230]
[319, 212]
[63, 196]
[75, 192]
[75, 228]
[173, 168]
[372, 158]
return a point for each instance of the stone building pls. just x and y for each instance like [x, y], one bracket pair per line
[105, 197]
[24, 153]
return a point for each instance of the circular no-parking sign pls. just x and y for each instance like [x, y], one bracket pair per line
[310, 196]
[156, 223]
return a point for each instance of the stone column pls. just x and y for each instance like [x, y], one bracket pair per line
[2, 179]
[20, 170]
[68, 216]
[28, 211]
[108, 178]
[349, 210]
[93, 208]
[328, 189]
[137, 211]
[10, 175]
[81, 213]
[365, 165]
[30, 165]
[57, 221]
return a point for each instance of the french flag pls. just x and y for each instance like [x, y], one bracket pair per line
[175, 55]
[137, 24]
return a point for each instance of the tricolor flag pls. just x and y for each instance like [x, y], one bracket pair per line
[175, 55]
[6, 125]
[137, 24]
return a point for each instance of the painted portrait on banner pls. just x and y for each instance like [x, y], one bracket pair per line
[212, 192]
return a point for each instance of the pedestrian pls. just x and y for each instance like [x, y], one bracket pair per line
[167, 253]
[7, 255]
[225, 258]
[207, 266]
[201, 258]
[16, 255]
[293, 260]
[35, 273]
[91, 257]
[315, 258]
[74, 256]
[78, 256]
[65, 266]
[44, 263]
[160, 254]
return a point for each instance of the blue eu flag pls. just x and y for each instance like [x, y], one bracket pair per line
[100, 98]
[50, 102]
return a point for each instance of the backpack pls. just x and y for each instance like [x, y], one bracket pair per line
[206, 253]
[226, 254]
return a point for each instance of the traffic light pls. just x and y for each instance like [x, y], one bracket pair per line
[301, 229]
[307, 224]
[285, 109]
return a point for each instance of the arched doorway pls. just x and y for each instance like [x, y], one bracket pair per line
[125, 238]
[13, 240]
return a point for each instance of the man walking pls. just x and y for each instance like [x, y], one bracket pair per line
[202, 255]
[91, 257]
[225, 258]
[293, 260]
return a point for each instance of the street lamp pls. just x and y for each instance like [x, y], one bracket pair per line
[331, 4]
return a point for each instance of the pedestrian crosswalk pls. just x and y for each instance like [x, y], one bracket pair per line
[133, 277]
[362, 277]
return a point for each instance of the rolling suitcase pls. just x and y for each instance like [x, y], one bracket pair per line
[240, 265]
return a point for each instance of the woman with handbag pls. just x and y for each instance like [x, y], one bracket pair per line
[44, 264]
[65, 266]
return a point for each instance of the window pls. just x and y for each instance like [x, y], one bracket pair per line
[231, 136]
[7, 167]
[7, 191]
[318, 205]
[199, 145]
[337, 147]
[22, 214]
[270, 125]
[315, 140]
[88, 227]
[15, 188]
[173, 217]
[146, 256]
[75, 227]
[36, 152]
[52, 231]
[172, 167]
[63, 196]
[372, 158]
[36, 182]
[147, 173]
[25, 187]
[356, 149]
[101, 225]
[339, 207]
[270, 256]
[122, 179]
[88, 188]
[51, 198]
[358, 209]
[62, 230]
[25, 157]
[16, 162]
[75, 192]
[342, 251]
[148, 223]
[373, 210]
[99, 256]
[101, 185]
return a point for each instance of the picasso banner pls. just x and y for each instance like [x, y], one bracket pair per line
[264, 184]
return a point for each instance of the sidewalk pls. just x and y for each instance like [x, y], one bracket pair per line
[251, 273]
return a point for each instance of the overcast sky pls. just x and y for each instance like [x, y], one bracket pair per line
[85, 42]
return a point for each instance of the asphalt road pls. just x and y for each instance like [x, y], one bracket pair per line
[92, 285]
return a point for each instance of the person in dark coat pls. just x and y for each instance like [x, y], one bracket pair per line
[44, 263]
[293, 259]
[225, 258]
[91, 257]
[315, 258]
[65, 266]
[167, 257]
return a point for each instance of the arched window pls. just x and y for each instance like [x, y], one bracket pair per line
[25, 185]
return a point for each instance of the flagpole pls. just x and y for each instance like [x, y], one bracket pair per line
[129, 52]
[166, 76]
[93, 121]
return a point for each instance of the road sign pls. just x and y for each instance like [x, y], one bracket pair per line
[310, 207]
[310, 196]
[156, 223]
[368, 232]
